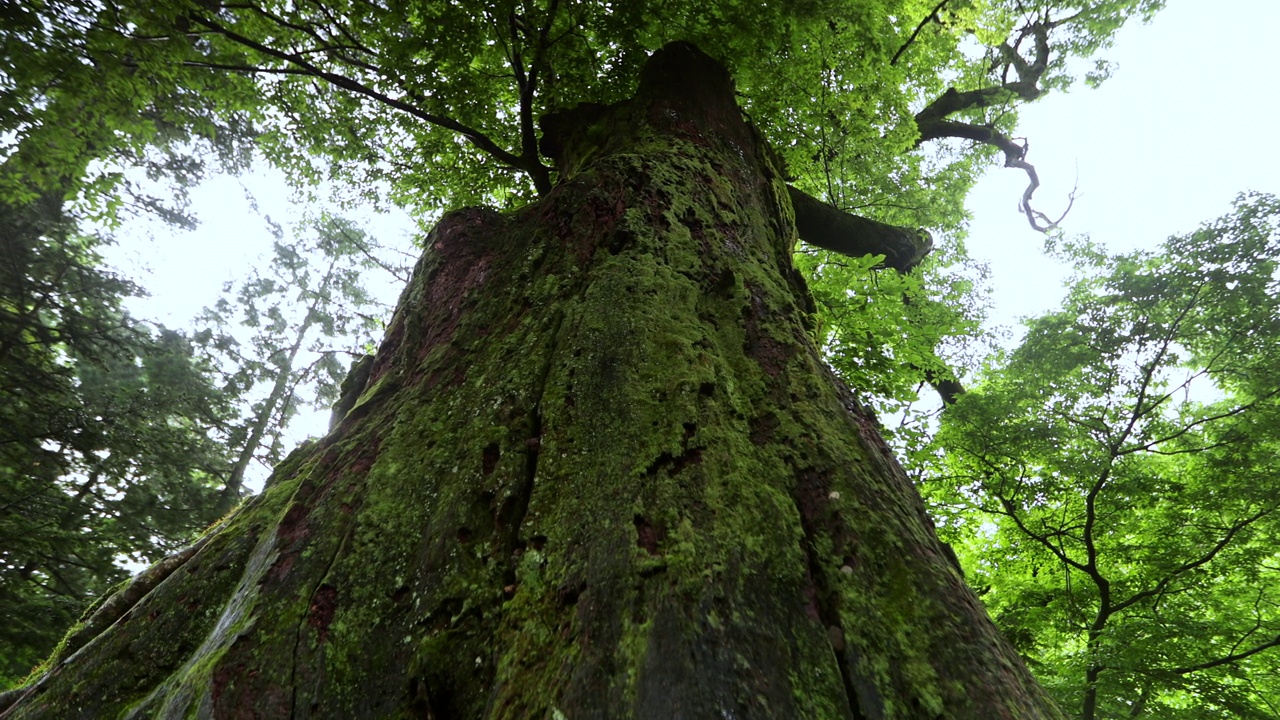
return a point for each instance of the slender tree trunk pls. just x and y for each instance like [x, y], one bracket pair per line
[600, 472]
[1089, 706]
[263, 420]
[275, 401]
[1089, 702]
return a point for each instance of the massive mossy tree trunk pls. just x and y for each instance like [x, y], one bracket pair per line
[599, 471]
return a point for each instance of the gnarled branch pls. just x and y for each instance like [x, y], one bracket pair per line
[934, 121]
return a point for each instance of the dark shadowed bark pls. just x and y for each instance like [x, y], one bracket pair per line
[599, 471]
[833, 229]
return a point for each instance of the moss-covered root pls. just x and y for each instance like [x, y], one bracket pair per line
[599, 471]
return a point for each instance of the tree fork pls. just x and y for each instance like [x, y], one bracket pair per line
[600, 471]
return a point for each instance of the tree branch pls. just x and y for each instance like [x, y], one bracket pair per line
[933, 122]
[1009, 510]
[475, 137]
[1204, 559]
[528, 90]
[932, 16]
[831, 228]
[1228, 659]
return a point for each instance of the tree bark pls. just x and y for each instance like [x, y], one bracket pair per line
[830, 228]
[600, 471]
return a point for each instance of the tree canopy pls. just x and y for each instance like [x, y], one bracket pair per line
[884, 108]
[439, 103]
[1110, 481]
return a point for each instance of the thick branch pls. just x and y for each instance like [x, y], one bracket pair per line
[528, 91]
[949, 389]
[944, 380]
[833, 229]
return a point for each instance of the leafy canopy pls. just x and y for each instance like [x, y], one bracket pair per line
[433, 104]
[1112, 481]
[438, 102]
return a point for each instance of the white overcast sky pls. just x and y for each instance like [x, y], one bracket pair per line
[1187, 121]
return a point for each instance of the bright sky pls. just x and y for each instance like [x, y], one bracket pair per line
[1183, 125]
[184, 271]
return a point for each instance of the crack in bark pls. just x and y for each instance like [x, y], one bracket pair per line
[120, 603]
[304, 620]
[830, 619]
[517, 507]
[863, 701]
[170, 688]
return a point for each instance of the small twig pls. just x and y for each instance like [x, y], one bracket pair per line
[931, 16]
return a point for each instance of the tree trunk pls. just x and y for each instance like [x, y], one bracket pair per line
[600, 471]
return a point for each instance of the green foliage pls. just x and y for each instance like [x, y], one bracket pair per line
[432, 105]
[886, 333]
[80, 103]
[105, 446]
[439, 102]
[1112, 481]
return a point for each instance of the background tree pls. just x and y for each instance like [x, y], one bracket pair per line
[111, 424]
[1122, 461]
[105, 446]
[302, 322]
[124, 440]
